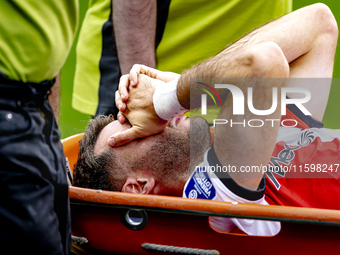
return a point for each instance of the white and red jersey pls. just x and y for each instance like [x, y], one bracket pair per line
[304, 170]
[307, 159]
[307, 169]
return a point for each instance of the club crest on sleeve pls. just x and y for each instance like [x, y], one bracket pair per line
[200, 185]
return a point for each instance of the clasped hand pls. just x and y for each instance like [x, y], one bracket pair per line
[134, 99]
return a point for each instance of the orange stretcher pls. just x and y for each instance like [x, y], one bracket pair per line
[105, 222]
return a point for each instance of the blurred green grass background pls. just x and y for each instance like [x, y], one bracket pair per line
[73, 122]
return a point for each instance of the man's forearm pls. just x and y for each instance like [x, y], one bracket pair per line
[241, 145]
[299, 34]
[135, 29]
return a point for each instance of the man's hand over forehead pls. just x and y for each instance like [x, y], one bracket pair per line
[139, 110]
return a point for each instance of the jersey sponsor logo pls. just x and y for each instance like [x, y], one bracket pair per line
[306, 138]
[200, 185]
[193, 194]
[285, 156]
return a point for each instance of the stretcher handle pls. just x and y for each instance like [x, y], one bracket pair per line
[273, 212]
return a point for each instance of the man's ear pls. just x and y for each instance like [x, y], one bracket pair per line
[139, 185]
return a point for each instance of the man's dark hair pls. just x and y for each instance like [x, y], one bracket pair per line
[96, 171]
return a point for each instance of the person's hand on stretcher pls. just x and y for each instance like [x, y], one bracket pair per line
[134, 99]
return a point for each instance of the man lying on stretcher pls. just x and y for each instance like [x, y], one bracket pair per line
[299, 45]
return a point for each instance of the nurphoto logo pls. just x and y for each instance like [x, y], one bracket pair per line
[239, 104]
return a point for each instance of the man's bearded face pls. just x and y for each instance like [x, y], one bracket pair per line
[169, 155]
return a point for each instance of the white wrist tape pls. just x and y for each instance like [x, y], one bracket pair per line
[165, 101]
